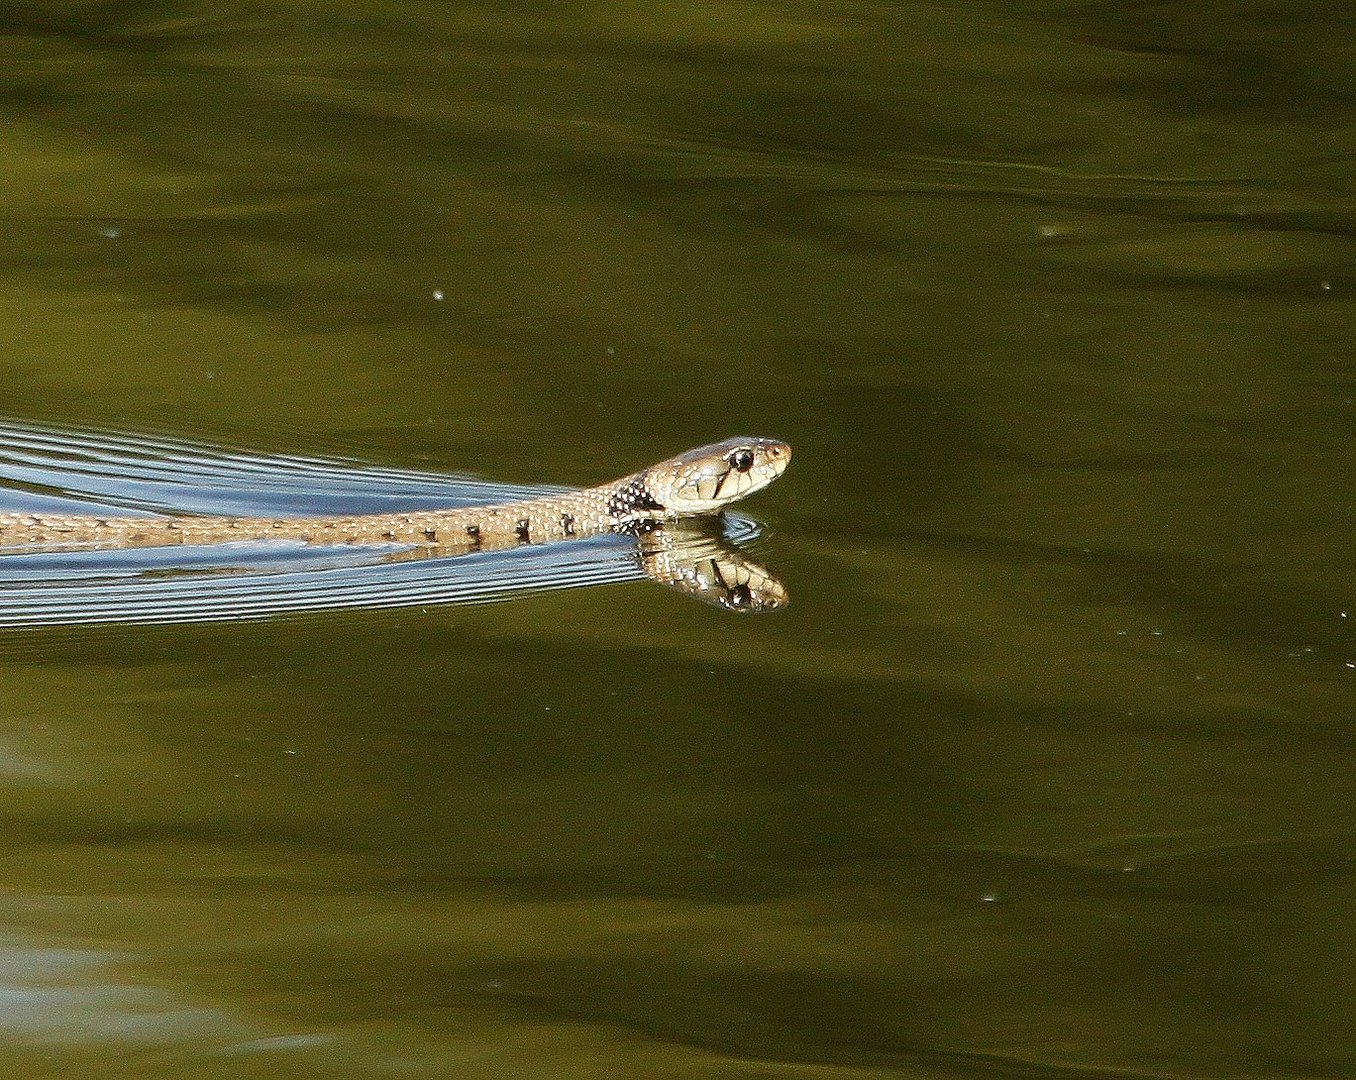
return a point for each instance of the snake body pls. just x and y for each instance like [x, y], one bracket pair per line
[699, 482]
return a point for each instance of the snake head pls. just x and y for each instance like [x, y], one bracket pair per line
[706, 480]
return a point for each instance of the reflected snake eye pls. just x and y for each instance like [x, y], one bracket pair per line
[742, 460]
[741, 596]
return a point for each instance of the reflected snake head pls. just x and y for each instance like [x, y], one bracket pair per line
[706, 567]
[706, 480]
[734, 582]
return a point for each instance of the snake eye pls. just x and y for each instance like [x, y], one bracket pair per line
[742, 460]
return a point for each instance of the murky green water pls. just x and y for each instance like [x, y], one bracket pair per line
[1047, 770]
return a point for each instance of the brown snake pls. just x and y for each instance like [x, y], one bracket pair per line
[699, 482]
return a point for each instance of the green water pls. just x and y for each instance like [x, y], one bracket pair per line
[1049, 767]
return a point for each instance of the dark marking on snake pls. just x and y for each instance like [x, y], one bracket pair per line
[716, 573]
[633, 497]
[523, 529]
[567, 523]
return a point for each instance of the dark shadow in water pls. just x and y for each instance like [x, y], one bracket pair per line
[47, 470]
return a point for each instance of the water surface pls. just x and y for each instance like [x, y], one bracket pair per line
[1046, 770]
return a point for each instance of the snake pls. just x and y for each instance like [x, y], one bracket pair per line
[698, 483]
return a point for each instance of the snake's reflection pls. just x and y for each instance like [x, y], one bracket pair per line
[692, 556]
[699, 562]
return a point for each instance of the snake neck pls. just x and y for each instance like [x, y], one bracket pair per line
[630, 499]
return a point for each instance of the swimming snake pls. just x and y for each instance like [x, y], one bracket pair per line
[700, 482]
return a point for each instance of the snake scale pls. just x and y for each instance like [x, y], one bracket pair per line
[698, 483]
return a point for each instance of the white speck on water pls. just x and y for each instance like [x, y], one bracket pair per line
[1350, 664]
[271, 1043]
[990, 898]
[290, 752]
[110, 232]
[438, 294]
[1325, 285]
